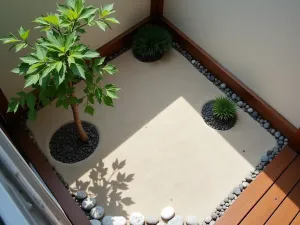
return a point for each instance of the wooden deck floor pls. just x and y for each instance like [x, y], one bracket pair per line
[273, 198]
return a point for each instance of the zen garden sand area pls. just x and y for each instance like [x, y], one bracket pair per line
[172, 157]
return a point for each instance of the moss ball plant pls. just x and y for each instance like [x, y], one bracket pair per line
[220, 113]
[224, 109]
[150, 43]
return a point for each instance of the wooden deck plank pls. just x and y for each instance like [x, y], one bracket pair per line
[275, 195]
[239, 209]
[296, 221]
[289, 208]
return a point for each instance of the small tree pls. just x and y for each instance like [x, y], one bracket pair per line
[57, 61]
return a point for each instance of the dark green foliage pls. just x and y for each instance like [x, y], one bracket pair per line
[224, 108]
[151, 42]
[58, 59]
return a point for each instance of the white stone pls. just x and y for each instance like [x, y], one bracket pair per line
[191, 220]
[167, 213]
[97, 212]
[88, 203]
[176, 220]
[136, 218]
[95, 222]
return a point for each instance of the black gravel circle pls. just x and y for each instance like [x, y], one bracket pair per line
[66, 146]
[210, 120]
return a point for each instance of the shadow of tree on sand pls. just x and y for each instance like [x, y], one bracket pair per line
[108, 188]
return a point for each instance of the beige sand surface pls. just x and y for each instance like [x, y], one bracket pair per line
[172, 157]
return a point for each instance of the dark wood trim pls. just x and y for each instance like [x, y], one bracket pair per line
[121, 41]
[26, 146]
[276, 119]
[294, 142]
[157, 9]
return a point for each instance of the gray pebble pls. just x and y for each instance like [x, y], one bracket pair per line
[152, 220]
[266, 125]
[277, 134]
[219, 208]
[95, 222]
[255, 114]
[264, 158]
[240, 103]
[245, 184]
[231, 196]
[222, 203]
[272, 131]
[223, 86]
[176, 220]
[248, 178]
[191, 220]
[212, 222]
[193, 61]
[237, 191]
[281, 138]
[233, 96]
[214, 216]
[97, 212]
[88, 203]
[80, 195]
[208, 219]
[250, 110]
[136, 218]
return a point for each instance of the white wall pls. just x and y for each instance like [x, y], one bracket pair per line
[258, 41]
[14, 13]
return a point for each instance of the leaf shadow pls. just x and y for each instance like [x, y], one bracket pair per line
[108, 188]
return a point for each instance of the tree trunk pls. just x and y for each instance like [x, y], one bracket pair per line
[81, 131]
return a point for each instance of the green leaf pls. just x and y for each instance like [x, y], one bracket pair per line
[88, 12]
[41, 53]
[98, 94]
[30, 100]
[20, 46]
[91, 99]
[91, 54]
[32, 79]
[24, 33]
[78, 70]
[71, 3]
[70, 41]
[29, 59]
[108, 7]
[21, 69]
[53, 39]
[102, 25]
[111, 90]
[32, 114]
[108, 101]
[99, 61]
[112, 20]
[34, 67]
[52, 19]
[13, 105]
[71, 60]
[89, 109]
[8, 40]
[110, 69]
[58, 66]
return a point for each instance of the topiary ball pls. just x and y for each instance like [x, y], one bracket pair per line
[150, 43]
[224, 109]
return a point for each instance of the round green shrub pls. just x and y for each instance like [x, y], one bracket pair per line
[224, 108]
[150, 43]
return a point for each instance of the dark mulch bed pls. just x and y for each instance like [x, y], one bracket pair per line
[66, 146]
